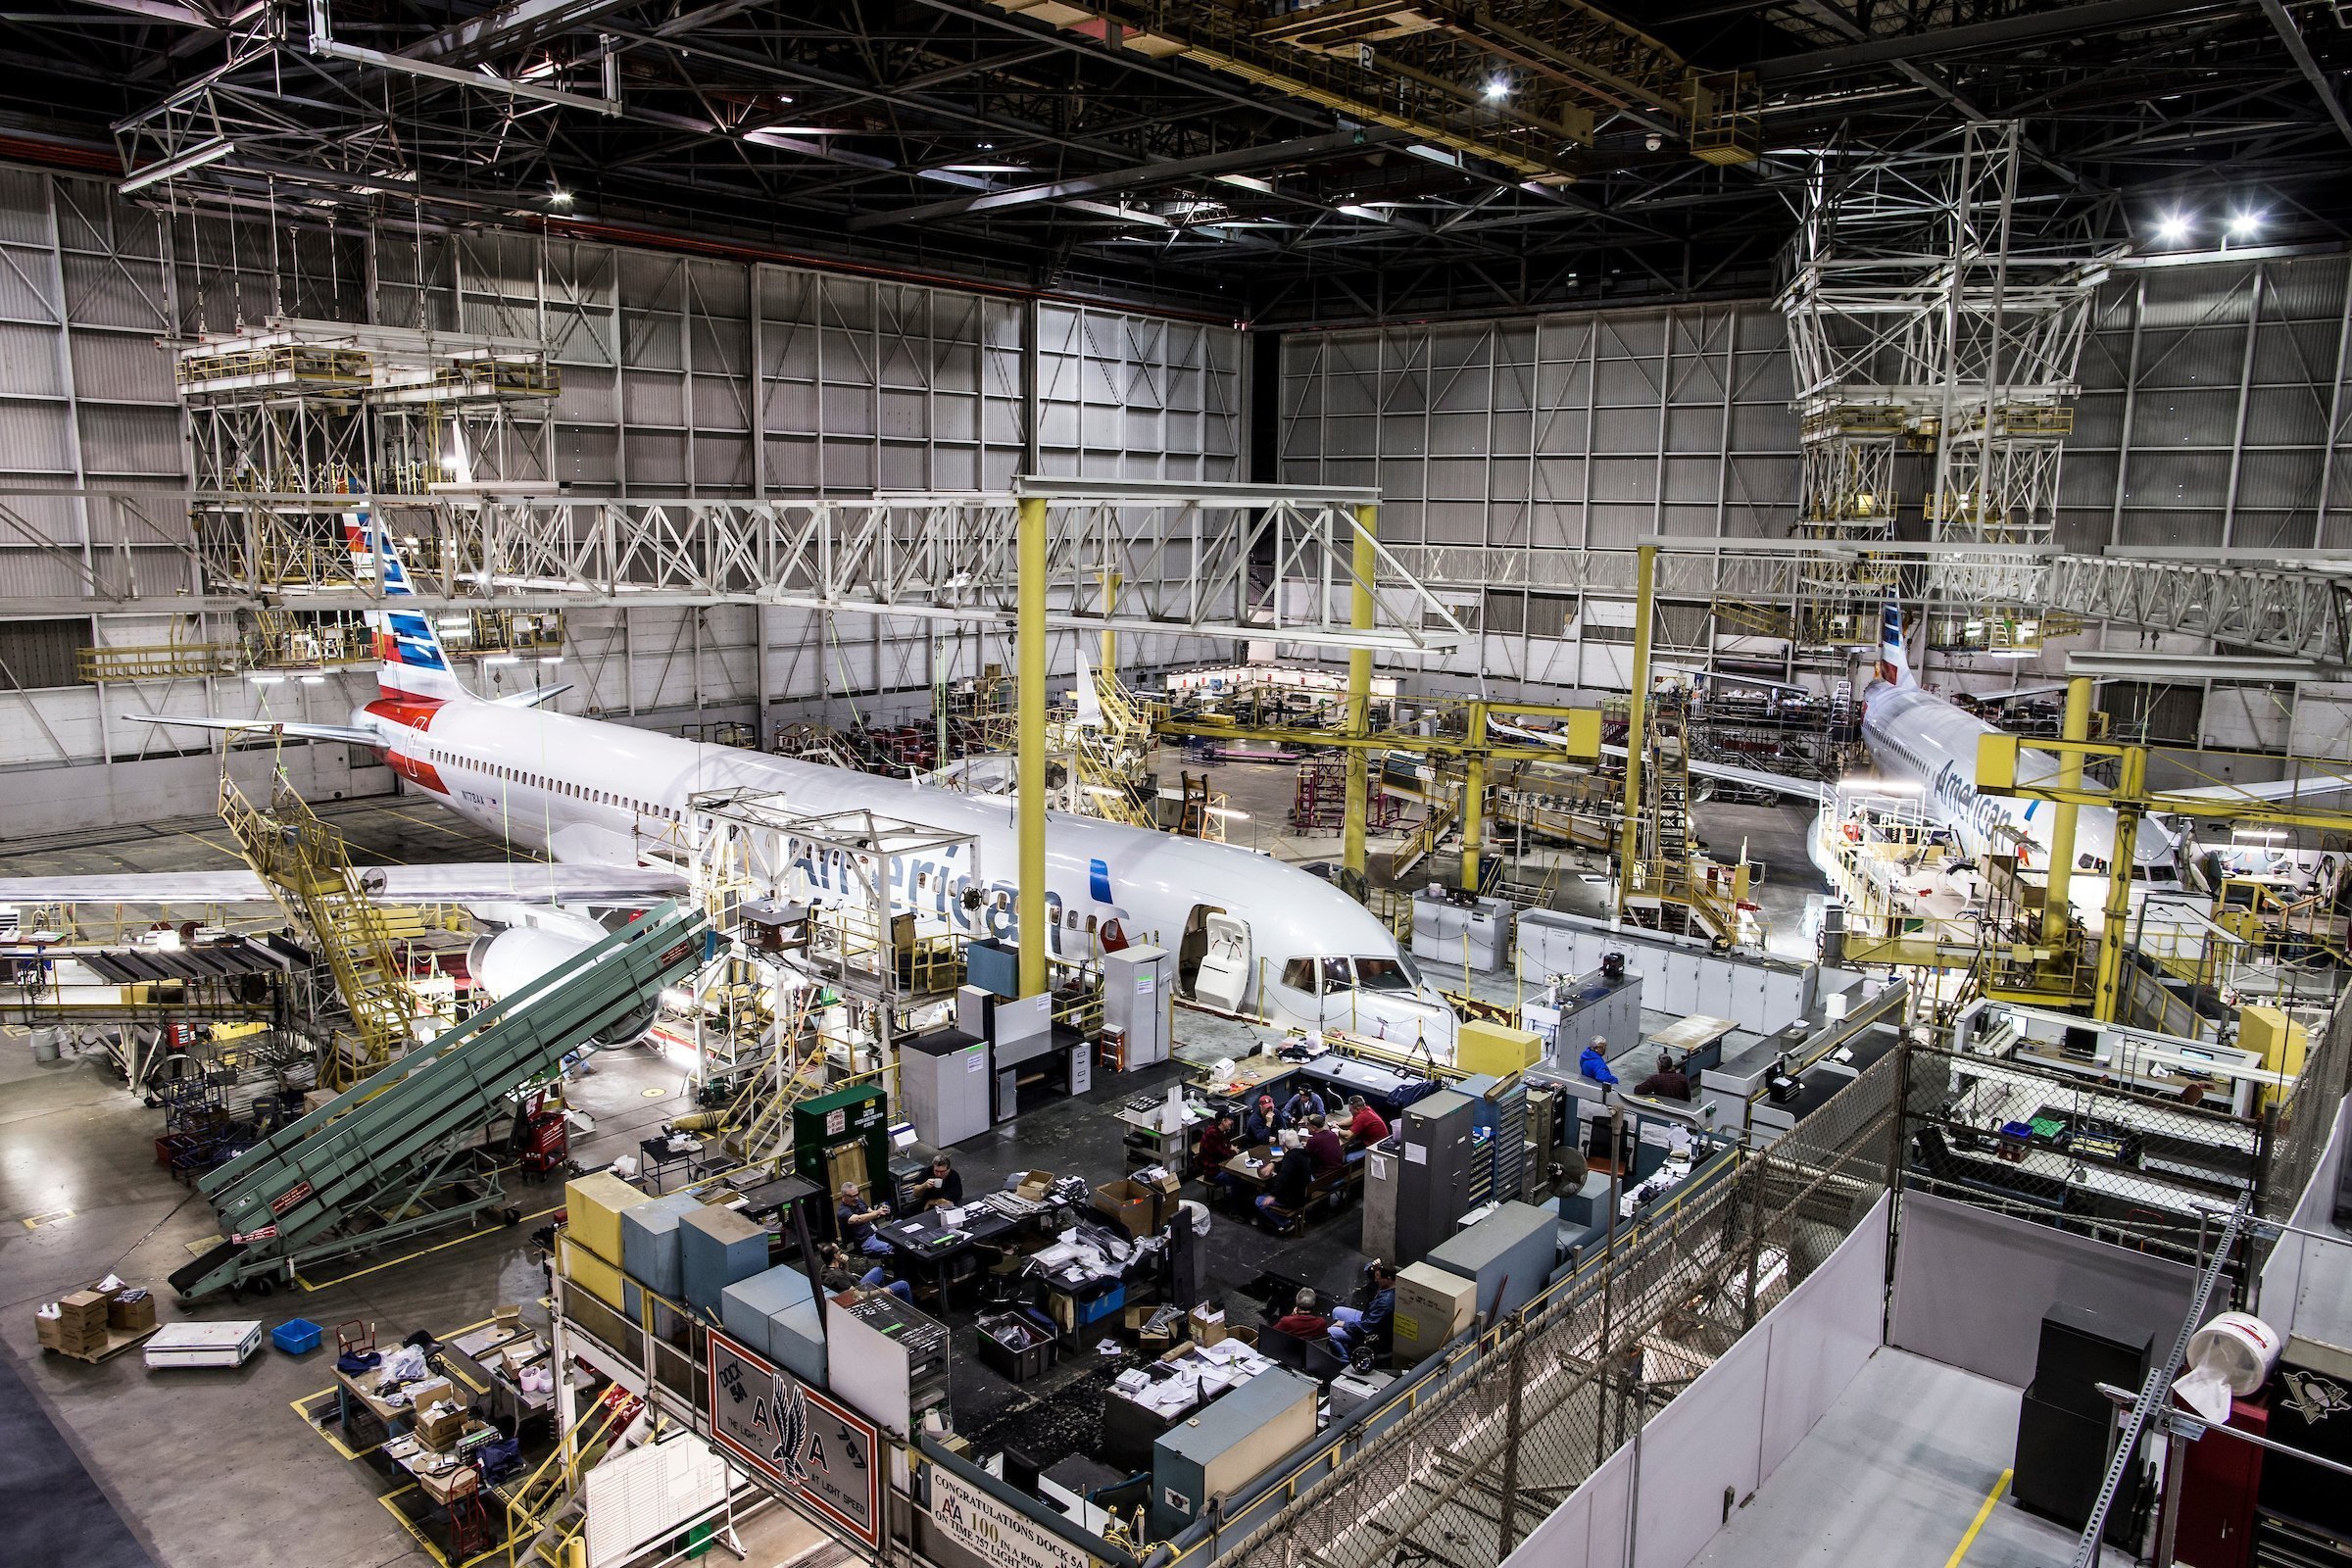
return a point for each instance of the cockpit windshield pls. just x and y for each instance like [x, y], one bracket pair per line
[1388, 974]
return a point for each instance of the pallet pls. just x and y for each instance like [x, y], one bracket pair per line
[116, 1342]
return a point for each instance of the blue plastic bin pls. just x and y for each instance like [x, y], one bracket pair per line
[296, 1336]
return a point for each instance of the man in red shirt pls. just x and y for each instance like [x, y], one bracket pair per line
[1303, 1320]
[1366, 1126]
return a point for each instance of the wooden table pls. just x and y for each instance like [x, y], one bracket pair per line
[1260, 1176]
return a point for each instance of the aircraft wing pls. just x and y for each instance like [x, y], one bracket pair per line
[474, 882]
[1809, 790]
[2308, 787]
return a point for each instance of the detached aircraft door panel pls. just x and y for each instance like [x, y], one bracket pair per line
[1223, 979]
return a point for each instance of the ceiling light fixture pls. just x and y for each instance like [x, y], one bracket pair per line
[559, 197]
[1498, 88]
[2244, 225]
[2172, 228]
[195, 157]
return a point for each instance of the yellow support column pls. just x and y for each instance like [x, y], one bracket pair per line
[2131, 784]
[1359, 692]
[1030, 743]
[1109, 662]
[1474, 816]
[1645, 588]
[2076, 727]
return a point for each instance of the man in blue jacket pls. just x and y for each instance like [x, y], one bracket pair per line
[1594, 1062]
[1353, 1330]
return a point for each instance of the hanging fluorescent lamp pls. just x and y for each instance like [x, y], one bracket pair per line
[195, 157]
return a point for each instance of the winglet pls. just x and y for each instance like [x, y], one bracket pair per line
[532, 698]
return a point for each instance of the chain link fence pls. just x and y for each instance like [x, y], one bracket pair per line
[1526, 1412]
[2299, 1135]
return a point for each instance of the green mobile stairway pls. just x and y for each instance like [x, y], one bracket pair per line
[396, 1153]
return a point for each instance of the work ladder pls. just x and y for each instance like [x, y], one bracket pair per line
[306, 867]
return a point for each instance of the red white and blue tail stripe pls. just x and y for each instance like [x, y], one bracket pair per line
[1894, 669]
[415, 664]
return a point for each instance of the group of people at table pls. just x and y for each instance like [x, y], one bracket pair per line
[1298, 1136]
[857, 1223]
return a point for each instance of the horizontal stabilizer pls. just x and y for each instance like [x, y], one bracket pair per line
[532, 698]
[464, 882]
[347, 733]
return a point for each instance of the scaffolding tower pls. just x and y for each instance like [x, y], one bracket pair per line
[1926, 314]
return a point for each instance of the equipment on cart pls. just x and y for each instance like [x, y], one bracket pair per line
[542, 1138]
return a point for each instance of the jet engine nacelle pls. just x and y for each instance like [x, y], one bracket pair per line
[505, 961]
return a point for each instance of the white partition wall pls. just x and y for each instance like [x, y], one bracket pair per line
[1657, 1501]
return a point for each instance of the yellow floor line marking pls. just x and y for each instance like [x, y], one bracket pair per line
[405, 1257]
[411, 1525]
[215, 845]
[1984, 1513]
[327, 1431]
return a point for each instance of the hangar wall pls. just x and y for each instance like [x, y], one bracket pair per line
[2213, 413]
[682, 376]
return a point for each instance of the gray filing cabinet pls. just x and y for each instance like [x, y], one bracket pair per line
[1433, 1172]
[1509, 1253]
[1381, 1162]
[1587, 1006]
[1136, 996]
[1229, 1442]
[1445, 931]
[944, 1083]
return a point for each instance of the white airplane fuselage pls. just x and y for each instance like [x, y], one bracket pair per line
[583, 791]
[1918, 740]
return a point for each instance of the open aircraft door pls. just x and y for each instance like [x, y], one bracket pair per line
[1223, 979]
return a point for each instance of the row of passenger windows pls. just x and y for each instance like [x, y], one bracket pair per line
[553, 786]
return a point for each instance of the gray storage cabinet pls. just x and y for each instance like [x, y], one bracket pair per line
[1136, 996]
[1510, 1254]
[944, 1084]
[1229, 1443]
[1433, 1172]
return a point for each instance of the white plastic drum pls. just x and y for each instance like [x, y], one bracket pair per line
[2238, 1348]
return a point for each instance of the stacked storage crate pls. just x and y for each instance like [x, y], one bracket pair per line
[588, 1252]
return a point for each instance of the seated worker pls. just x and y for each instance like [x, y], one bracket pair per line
[1264, 1121]
[1594, 1062]
[1669, 1082]
[1366, 1126]
[1216, 1148]
[1353, 1330]
[1303, 1103]
[1287, 1189]
[837, 1276]
[943, 1187]
[1323, 1146]
[1302, 1321]
[857, 1222]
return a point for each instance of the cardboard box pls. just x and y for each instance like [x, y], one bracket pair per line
[1034, 1185]
[506, 1317]
[83, 1308]
[1207, 1326]
[592, 1207]
[1139, 1209]
[448, 1486]
[131, 1312]
[1165, 1181]
[428, 1392]
[441, 1429]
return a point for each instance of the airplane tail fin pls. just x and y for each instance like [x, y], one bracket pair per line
[1894, 667]
[415, 665]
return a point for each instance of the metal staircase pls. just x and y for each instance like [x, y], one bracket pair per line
[397, 1154]
[759, 1118]
[306, 867]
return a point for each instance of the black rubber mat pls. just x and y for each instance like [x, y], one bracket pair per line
[51, 1510]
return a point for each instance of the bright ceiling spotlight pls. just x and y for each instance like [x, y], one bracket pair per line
[559, 197]
[1498, 88]
[2244, 224]
[2172, 228]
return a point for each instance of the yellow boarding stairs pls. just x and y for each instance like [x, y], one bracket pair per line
[761, 1113]
[545, 1518]
[306, 867]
